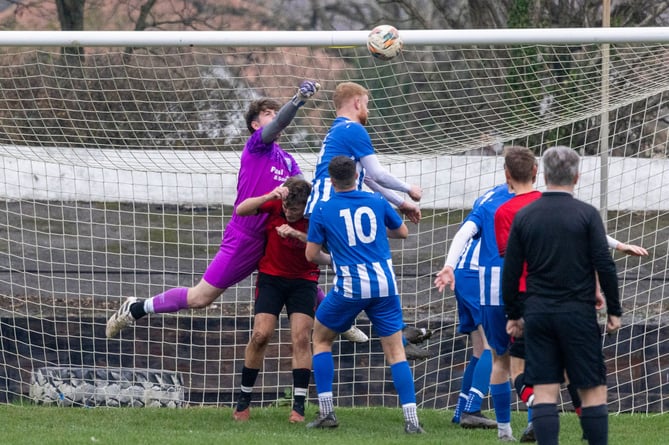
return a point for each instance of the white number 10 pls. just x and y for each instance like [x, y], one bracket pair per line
[354, 228]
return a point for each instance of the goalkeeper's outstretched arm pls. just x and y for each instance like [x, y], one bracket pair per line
[287, 113]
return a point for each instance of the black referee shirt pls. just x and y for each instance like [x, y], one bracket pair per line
[564, 242]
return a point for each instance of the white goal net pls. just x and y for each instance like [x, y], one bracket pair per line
[118, 171]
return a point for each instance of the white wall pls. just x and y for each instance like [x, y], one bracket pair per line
[186, 177]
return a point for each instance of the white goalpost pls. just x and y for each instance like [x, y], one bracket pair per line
[118, 172]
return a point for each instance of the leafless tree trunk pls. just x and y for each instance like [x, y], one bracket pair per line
[71, 18]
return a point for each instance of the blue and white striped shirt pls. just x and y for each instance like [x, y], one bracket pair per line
[352, 225]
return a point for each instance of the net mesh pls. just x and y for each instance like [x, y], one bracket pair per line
[119, 171]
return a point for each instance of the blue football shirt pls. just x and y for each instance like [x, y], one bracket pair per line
[353, 227]
[490, 262]
[345, 138]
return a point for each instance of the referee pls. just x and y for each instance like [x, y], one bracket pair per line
[564, 244]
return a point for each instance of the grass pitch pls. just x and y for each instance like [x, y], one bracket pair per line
[29, 424]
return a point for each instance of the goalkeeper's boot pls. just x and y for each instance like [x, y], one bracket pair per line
[355, 335]
[414, 352]
[327, 421]
[413, 428]
[121, 319]
[416, 335]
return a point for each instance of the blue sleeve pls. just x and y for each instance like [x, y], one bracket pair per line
[476, 216]
[316, 232]
[392, 220]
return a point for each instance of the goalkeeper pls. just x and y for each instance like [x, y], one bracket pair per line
[264, 165]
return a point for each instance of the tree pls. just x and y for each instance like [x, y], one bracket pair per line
[71, 18]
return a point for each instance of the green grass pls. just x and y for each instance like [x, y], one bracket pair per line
[31, 424]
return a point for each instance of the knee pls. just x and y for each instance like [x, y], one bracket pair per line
[301, 341]
[259, 339]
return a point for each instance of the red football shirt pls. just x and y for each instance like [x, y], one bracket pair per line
[284, 257]
[503, 219]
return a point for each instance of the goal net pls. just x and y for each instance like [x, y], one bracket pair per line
[118, 171]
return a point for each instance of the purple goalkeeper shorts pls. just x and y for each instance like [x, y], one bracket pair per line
[237, 258]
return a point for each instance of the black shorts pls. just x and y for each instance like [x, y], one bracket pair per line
[555, 342]
[273, 293]
[517, 348]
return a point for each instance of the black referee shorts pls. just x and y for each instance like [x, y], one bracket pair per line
[273, 293]
[571, 341]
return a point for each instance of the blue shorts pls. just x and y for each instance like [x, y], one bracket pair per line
[494, 326]
[236, 259]
[338, 313]
[467, 295]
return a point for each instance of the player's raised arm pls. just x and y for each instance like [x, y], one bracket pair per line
[375, 172]
[250, 206]
[380, 180]
[287, 113]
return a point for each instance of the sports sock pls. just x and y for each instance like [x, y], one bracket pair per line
[501, 400]
[480, 382]
[137, 310]
[172, 300]
[546, 423]
[249, 376]
[410, 414]
[504, 429]
[467, 378]
[323, 372]
[403, 381]
[323, 365]
[301, 378]
[325, 403]
[595, 424]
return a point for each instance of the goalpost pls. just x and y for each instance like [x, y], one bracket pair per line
[118, 172]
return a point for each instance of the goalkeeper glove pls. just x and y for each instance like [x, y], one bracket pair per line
[307, 89]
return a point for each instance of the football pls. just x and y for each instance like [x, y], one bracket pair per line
[384, 42]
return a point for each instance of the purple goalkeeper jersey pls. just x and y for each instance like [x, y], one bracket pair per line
[262, 168]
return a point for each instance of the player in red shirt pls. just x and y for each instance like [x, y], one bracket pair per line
[520, 169]
[285, 278]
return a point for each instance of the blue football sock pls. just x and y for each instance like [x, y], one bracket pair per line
[323, 365]
[501, 399]
[403, 381]
[464, 391]
[480, 382]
